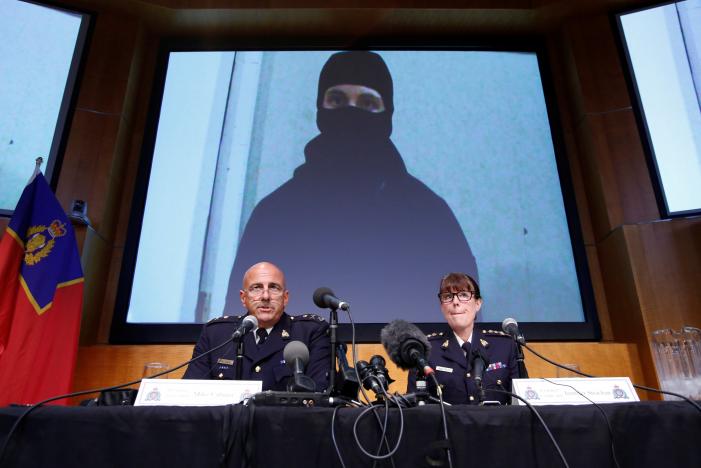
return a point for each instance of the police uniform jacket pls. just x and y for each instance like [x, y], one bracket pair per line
[454, 369]
[264, 362]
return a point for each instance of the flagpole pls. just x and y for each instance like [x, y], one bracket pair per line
[37, 169]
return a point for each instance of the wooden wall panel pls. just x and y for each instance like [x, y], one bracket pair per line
[124, 173]
[93, 135]
[105, 365]
[665, 261]
[614, 169]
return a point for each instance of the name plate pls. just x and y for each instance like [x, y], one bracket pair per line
[563, 391]
[192, 392]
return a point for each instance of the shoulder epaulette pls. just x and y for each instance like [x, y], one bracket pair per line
[225, 319]
[308, 317]
[495, 333]
[435, 335]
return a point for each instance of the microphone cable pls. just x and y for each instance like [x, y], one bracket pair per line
[606, 418]
[641, 387]
[333, 436]
[354, 355]
[391, 452]
[444, 418]
[31, 408]
[542, 422]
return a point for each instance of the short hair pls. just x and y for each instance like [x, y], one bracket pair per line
[456, 282]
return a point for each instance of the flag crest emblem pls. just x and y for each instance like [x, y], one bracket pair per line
[37, 246]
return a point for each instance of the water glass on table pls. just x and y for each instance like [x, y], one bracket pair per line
[153, 368]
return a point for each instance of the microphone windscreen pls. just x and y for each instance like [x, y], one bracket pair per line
[250, 319]
[397, 332]
[295, 350]
[510, 326]
[320, 297]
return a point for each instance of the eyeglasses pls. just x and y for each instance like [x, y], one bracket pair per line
[274, 290]
[463, 296]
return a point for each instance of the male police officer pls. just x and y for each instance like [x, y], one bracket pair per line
[263, 295]
[452, 353]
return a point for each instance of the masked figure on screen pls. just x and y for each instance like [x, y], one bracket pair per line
[352, 217]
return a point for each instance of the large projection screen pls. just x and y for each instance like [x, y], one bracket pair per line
[663, 51]
[239, 172]
[41, 48]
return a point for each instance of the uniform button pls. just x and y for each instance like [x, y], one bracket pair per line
[467, 375]
[499, 382]
[257, 369]
[221, 375]
[472, 398]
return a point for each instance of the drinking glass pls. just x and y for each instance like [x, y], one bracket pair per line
[561, 373]
[153, 368]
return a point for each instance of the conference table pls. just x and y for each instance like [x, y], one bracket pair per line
[645, 434]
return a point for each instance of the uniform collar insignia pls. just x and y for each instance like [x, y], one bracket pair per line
[285, 335]
[484, 343]
[445, 344]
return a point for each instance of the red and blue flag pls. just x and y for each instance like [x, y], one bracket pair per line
[41, 299]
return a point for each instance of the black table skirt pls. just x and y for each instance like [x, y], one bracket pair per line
[650, 434]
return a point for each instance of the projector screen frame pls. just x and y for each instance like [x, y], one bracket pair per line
[123, 332]
[639, 113]
[53, 161]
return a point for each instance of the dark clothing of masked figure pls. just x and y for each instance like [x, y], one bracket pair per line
[352, 218]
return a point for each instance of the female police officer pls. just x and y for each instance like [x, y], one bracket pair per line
[453, 352]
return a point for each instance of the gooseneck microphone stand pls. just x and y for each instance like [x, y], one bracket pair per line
[522, 371]
[239, 358]
[333, 327]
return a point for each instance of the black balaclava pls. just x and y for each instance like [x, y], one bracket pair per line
[356, 68]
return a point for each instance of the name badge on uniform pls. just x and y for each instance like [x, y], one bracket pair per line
[444, 369]
[228, 362]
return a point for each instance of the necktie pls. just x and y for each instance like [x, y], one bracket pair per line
[262, 335]
[466, 347]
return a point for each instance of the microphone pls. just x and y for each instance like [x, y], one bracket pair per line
[248, 323]
[510, 327]
[296, 355]
[369, 381]
[407, 346]
[324, 298]
[374, 375]
[479, 364]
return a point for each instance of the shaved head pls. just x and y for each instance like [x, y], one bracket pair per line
[264, 294]
[264, 268]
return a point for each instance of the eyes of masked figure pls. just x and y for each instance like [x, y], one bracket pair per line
[347, 95]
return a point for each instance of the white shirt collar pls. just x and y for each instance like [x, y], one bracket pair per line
[460, 341]
[255, 332]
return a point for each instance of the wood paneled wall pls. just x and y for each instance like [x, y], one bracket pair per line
[104, 365]
[644, 272]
